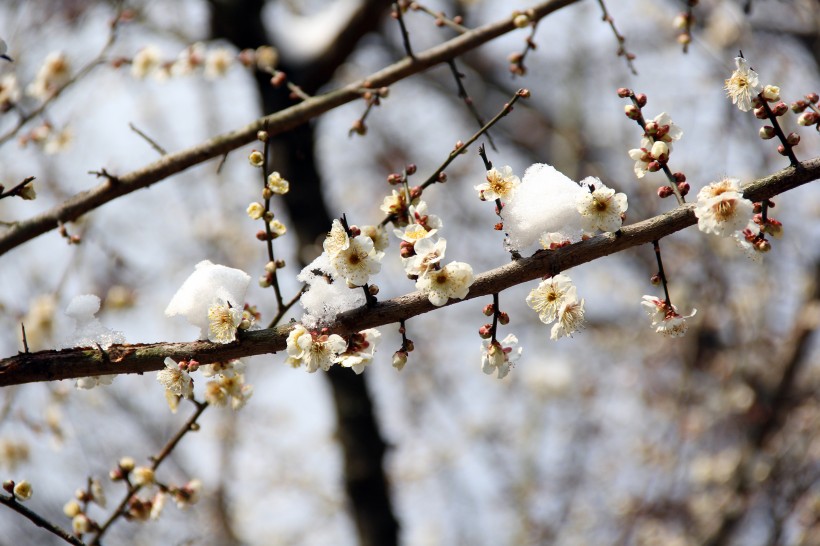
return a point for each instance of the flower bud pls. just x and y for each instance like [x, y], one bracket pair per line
[782, 150]
[503, 318]
[358, 127]
[763, 245]
[780, 108]
[409, 345]
[653, 166]
[679, 177]
[410, 169]
[488, 310]
[624, 92]
[373, 289]
[521, 20]
[22, 490]
[442, 177]
[808, 118]
[632, 111]
[766, 132]
[80, 524]
[655, 280]
[71, 508]
[683, 188]
[665, 191]
[262, 136]
[8, 486]
[399, 360]
[771, 93]
[760, 113]
[798, 106]
[641, 99]
[127, 464]
[486, 331]
[524, 93]
[793, 139]
[813, 98]
[256, 158]
[660, 151]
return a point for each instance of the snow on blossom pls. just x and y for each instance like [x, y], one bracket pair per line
[499, 185]
[601, 208]
[327, 294]
[211, 298]
[451, 281]
[665, 318]
[742, 85]
[545, 201]
[360, 350]
[89, 332]
[499, 356]
[721, 208]
[313, 350]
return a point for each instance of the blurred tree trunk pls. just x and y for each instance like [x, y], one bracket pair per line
[239, 21]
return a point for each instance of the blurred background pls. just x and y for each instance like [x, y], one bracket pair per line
[616, 436]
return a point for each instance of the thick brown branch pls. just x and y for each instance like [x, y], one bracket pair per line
[274, 124]
[81, 362]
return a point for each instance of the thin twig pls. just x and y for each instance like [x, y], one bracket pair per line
[39, 520]
[468, 100]
[622, 52]
[405, 36]
[17, 187]
[153, 143]
[275, 124]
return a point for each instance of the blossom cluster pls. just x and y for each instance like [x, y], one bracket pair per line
[320, 350]
[556, 300]
[214, 62]
[656, 144]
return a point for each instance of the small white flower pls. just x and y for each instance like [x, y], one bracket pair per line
[499, 356]
[337, 240]
[360, 351]
[742, 85]
[176, 380]
[722, 209]
[313, 350]
[22, 490]
[146, 61]
[665, 318]
[217, 62]
[421, 216]
[379, 235]
[256, 158]
[642, 157]
[663, 128]
[601, 208]
[277, 228]
[358, 261]
[570, 319]
[546, 299]
[9, 91]
[428, 254]
[223, 320]
[499, 185]
[255, 210]
[451, 281]
[277, 184]
[413, 232]
[54, 74]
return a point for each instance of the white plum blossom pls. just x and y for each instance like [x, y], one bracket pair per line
[570, 318]
[146, 61]
[277, 184]
[413, 232]
[357, 261]
[665, 318]
[451, 281]
[378, 234]
[223, 321]
[54, 74]
[337, 239]
[662, 128]
[742, 85]
[499, 356]
[212, 298]
[643, 157]
[547, 297]
[419, 214]
[722, 209]
[428, 254]
[175, 379]
[602, 209]
[313, 350]
[360, 351]
[499, 185]
[217, 62]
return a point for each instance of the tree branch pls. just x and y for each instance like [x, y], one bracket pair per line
[274, 124]
[141, 358]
